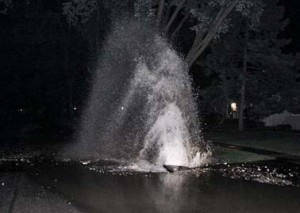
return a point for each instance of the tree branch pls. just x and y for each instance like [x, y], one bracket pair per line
[198, 41]
[199, 48]
[167, 13]
[179, 26]
[173, 17]
[160, 12]
[243, 79]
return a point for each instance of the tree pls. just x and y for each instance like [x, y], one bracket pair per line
[211, 18]
[251, 59]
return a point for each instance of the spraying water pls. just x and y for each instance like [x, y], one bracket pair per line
[141, 107]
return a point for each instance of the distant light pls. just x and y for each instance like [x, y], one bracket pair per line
[233, 107]
[75, 108]
[20, 110]
[122, 108]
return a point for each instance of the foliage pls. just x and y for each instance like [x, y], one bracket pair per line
[144, 9]
[5, 5]
[79, 11]
[209, 19]
[270, 73]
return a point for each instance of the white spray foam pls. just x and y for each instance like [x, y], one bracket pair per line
[168, 133]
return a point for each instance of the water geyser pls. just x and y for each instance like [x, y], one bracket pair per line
[141, 107]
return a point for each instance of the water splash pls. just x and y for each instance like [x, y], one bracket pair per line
[167, 84]
[141, 108]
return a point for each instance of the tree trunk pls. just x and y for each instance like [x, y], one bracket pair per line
[167, 13]
[97, 32]
[242, 104]
[226, 93]
[160, 13]
[243, 77]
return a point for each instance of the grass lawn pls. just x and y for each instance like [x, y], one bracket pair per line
[285, 142]
[237, 156]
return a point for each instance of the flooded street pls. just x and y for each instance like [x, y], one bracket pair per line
[64, 186]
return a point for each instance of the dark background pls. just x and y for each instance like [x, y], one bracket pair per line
[45, 66]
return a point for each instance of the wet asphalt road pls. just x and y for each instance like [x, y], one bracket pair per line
[51, 186]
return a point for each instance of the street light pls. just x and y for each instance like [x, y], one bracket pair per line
[233, 107]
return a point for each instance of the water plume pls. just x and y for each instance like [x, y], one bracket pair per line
[141, 107]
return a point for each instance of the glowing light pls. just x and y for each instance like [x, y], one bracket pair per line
[233, 107]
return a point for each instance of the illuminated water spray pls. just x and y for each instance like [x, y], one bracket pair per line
[141, 107]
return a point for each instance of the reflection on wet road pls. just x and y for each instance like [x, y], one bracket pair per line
[51, 186]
